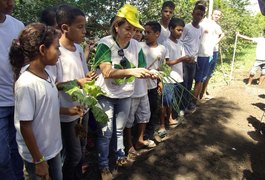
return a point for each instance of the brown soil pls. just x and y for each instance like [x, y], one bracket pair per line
[223, 139]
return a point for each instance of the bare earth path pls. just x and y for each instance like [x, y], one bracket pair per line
[223, 139]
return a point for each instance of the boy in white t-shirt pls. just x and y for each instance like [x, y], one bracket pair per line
[260, 58]
[191, 38]
[139, 111]
[205, 52]
[71, 66]
[176, 56]
[167, 12]
[218, 36]
[154, 53]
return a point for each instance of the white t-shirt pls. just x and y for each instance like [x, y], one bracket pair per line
[208, 39]
[191, 38]
[164, 34]
[175, 50]
[107, 51]
[260, 51]
[154, 56]
[37, 100]
[218, 32]
[9, 30]
[70, 66]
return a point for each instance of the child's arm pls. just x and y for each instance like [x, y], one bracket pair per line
[80, 82]
[41, 166]
[178, 60]
[72, 111]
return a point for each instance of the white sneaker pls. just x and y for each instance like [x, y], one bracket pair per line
[181, 113]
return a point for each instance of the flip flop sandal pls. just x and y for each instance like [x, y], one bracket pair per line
[150, 144]
[162, 133]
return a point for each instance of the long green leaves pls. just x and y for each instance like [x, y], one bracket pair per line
[175, 89]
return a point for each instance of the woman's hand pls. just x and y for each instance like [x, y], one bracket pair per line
[42, 170]
[155, 74]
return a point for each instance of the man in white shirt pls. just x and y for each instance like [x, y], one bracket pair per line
[11, 164]
[205, 52]
[218, 35]
[260, 58]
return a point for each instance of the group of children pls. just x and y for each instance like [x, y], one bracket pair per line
[127, 70]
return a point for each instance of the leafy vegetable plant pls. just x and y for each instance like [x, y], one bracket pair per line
[87, 98]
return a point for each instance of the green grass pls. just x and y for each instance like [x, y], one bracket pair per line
[244, 59]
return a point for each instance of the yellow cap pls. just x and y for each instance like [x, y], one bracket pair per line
[131, 14]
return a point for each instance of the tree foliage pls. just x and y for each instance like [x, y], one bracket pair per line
[99, 12]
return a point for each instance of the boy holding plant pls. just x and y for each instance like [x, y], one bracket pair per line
[172, 84]
[143, 102]
[154, 53]
[71, 65]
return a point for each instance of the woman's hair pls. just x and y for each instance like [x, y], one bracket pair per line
[117, 21]
[26, 48]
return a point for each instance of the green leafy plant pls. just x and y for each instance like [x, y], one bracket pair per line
[87, 98]
[177, 93]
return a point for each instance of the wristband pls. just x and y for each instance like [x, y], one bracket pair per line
[41, 160]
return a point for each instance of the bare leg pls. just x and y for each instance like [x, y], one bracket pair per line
[197, 89]
[261, 80]
[162, 117]
[140, 138]
[140, 133]
[128, 137]
[171, 120]
[250, 79]
[204, 88]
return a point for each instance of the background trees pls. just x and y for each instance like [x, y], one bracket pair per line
[99, 12]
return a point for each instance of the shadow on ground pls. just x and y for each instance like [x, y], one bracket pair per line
[256, 153]
[202, 149]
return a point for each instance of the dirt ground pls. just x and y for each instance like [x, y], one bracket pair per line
[223, 139]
